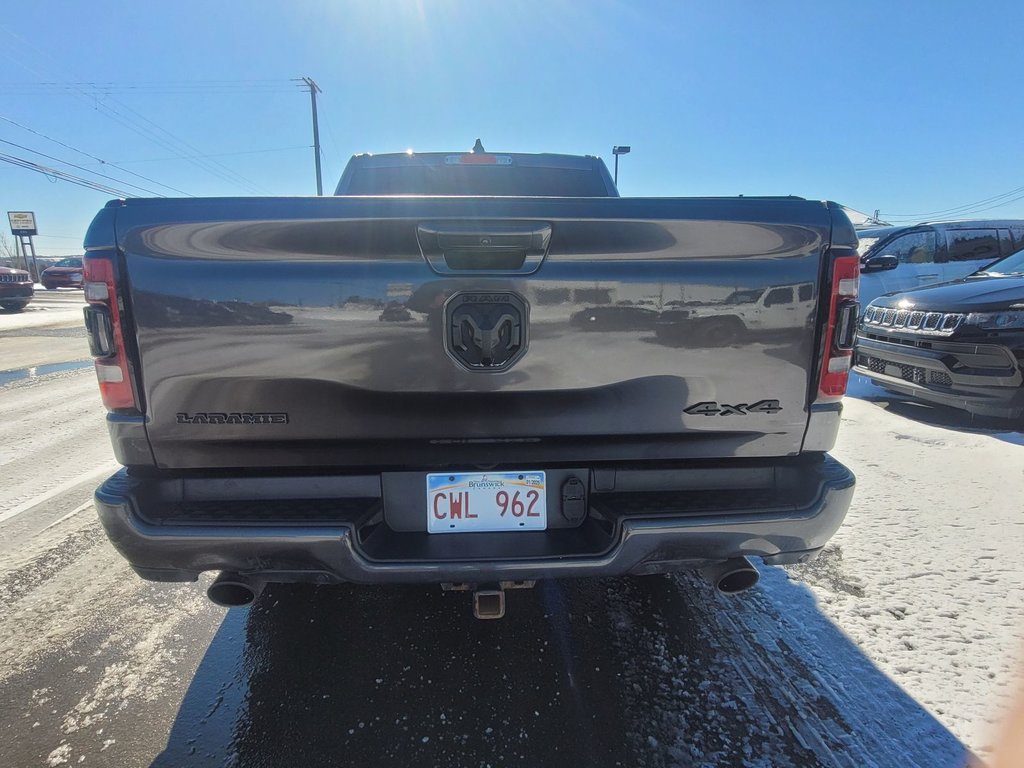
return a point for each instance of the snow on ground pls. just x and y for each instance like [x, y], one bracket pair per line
[908, 625]
[925, 574]
[47, 309]
[762, 680]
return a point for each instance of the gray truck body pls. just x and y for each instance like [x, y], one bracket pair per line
[298, 369]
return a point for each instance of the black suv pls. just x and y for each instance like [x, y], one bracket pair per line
[959, 344]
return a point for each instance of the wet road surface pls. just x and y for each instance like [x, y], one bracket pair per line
[100, 668]
[652, 671]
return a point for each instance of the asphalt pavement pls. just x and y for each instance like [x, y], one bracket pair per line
[100, 668]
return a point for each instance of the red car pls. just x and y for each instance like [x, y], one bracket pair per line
[66, 273]
[15, 289]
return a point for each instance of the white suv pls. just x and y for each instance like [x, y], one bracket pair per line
[903, 258]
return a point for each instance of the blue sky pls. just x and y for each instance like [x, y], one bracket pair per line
[909, 109]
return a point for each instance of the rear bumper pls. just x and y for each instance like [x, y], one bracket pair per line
[947, 374]
[638, 522]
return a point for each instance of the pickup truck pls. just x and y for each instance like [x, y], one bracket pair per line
[758, 309]
[387, 385]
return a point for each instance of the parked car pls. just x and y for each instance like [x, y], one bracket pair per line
[66, 273]
[15, 289]
[904, 258]
[959, 343]
[495, 444]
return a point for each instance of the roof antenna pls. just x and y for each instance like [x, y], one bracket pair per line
[478, 148]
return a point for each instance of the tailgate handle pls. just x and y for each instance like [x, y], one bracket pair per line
[491, 247]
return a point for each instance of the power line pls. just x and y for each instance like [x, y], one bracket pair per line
[7, 91]
[62, 175]
[958, 208]
[993, 207]
[151, 135]
[196, 151]
[219, 154]
[199, 87]
[954, 213]
[278, 83]
[113, 114]
[334, 142]
[97, 159]
[79, 167]
[100, 97]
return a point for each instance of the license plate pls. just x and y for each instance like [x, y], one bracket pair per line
[469, 502]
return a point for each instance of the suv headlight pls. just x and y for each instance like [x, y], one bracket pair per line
[996, 321]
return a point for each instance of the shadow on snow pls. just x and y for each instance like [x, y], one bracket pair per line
[933, 415]
[638, 671]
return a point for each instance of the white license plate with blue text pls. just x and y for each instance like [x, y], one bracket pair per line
[472, 502]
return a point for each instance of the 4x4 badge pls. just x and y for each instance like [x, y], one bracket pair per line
[741, 409]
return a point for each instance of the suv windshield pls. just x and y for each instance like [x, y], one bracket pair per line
[864, 245]
[1011, 265]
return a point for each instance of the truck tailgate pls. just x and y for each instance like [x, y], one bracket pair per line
[297, 332]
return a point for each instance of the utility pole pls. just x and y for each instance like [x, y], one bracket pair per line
[314, 89]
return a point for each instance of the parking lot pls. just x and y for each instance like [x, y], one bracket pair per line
[896, 647]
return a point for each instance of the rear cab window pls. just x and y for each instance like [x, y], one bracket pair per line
[500, 175]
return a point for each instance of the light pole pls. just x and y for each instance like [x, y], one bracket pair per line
[618, 151]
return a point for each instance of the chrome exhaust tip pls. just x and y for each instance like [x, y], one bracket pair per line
[731, 576]
[233, 590]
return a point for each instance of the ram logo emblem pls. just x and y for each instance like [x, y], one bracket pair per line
[486, 331]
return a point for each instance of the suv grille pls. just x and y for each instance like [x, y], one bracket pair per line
[14, 278]
[914, 374]
[873, 364]
[937, 323]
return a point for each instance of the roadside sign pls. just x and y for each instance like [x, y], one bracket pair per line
[22, 222]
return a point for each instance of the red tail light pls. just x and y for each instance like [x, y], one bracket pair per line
[104, 322]
[841, 331]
